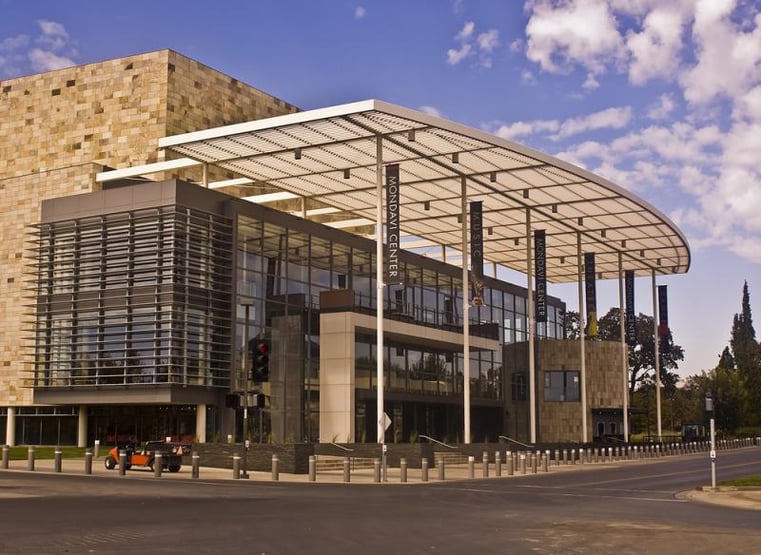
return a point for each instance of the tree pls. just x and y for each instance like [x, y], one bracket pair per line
[642, 355]
[726, 360]
[571, 324]
[743, 338]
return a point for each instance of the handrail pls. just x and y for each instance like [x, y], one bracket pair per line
[341, 447]
[429, 438]
[515, 441]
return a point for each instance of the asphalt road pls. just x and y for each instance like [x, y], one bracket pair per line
[634, 507]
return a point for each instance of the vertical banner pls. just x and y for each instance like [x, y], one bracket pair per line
[591, 293]
[631, 319]
[477, 252]
[540, 275]
[393, 274]
[663, 319]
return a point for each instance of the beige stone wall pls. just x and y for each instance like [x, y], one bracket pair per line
[56, 128]
[562, 421]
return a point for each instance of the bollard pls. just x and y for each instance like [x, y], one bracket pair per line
[441, 468]
[573, 456]
[471, 466]
[557, 457]
[347, 470]
[376, 471]
[581, 455]
[546, 461]
[424, 470]
[497, 464]
[158, 464]
[565, 457]
[88, 462]
[533, 463]
[523, 462]
[57, 454]
[6, 456]
[510, 464]
[403, 470]
[312, 468]
[195, 461]
[122, 462]
[275, 468]
[236, 467]
[485, 462]
[30, 459]
[96, 452]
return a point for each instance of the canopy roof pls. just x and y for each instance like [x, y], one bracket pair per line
[328, 156]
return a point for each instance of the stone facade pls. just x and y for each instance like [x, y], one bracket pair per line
[58, 129]
[561, 421]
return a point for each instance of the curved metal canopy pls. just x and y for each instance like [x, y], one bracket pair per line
[328, 156]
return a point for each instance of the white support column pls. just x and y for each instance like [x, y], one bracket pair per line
[656, 350]
[379, 284]
[10, 427]
[205, 177]
[465, 314]
[582, 353]
[82, 426]
[624, 351]
[531, 330]
[304, 207]
[201, 423]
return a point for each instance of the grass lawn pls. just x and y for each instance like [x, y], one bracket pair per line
[747, 481]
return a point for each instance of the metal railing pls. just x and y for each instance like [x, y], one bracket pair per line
[516, 441]
[429, 438]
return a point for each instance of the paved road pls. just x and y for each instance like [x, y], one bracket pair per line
[623, 508]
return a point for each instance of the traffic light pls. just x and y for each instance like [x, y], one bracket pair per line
[262, 362]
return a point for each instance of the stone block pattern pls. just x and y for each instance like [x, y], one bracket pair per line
[58, 129]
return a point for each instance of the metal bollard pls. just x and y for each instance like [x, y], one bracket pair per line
[523, 462]
[58, 454]
[158, 464]
[557, 457]
[6, 456]
[510, 464]
[573, 456]
[546, 462]
[195, 465]
[471, 466]
[275, 468]
[96, 450]
[312, 468]
[347, 470]
[122, 462]
[440, 466]
[497, 464]
[533, 463]
[236, 467]
[485, 462]
[30, 458]
[565, 457]
[403, 470]
[376, 471]
[424, 470]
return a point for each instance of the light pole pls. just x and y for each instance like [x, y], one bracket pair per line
[709, 410]
[247, 306]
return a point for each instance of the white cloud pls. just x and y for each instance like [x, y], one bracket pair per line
[613, 118]
[466, 31]
[523, 128]
[489, 40]
[359, 12]
[454, 57]
[42, 60]
[663, 108]
[591, 82]
[527, 77]
[517, 45]
[432, 111]
[11, 44]
[656, 49]
[483, 44]
[561, 34]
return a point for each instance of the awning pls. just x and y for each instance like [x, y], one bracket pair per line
[328, 157]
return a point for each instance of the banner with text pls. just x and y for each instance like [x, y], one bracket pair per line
[664, 334]
[631, 319]
[591, 293]
[477, 252]
[393, 273]
[540, 275]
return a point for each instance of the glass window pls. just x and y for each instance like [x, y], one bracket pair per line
[561, 386]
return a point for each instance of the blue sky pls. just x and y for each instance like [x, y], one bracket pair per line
[661, 97]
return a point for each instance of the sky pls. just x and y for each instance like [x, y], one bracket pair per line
[662, 97]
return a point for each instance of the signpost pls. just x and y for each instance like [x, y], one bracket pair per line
[709, 410]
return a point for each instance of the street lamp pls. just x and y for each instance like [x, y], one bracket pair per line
[247, 305]
[709, 411]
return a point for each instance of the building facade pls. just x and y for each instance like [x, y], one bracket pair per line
[163, 308]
